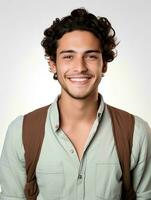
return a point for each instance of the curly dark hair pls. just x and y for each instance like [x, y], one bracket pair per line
[81, 19]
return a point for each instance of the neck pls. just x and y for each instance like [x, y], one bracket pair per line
[78, 110]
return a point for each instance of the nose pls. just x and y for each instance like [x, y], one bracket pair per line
[80, 65]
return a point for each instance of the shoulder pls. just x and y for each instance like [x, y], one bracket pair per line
[142, 129]
[15, 127]
[121, 117]
[14, 131]
[141, 141]
[38, 111]
[13, 139]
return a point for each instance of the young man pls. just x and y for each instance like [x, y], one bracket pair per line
[78, 159]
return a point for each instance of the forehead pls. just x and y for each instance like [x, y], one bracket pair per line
[78, 41]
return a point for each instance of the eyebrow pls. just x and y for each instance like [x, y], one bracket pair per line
[72, 51]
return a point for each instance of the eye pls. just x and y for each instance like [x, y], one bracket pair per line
[91, 56]
[68, 57]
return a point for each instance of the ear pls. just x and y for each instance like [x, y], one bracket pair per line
[52, 66]
[104, 67]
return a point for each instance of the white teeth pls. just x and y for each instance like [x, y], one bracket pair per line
[78, 79]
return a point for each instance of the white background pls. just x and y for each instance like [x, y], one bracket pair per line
[26, 84]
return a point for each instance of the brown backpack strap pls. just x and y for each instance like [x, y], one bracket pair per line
[33, 134]
[123, 128]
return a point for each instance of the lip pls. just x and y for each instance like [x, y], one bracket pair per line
[79, 80]
[78, 76]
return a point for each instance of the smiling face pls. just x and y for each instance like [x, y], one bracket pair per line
[79, 64]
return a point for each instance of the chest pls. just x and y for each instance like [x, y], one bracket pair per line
[58, 169]
[78, 137]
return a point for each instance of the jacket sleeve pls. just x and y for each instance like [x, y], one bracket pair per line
[12, 165]
[142, 156]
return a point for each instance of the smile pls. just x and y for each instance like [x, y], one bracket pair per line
[80, 79]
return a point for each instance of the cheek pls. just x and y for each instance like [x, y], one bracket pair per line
[61, 71]
[64, 68]
[98, 70]
[99, 73]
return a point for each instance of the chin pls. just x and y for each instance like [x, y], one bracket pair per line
[79, 96]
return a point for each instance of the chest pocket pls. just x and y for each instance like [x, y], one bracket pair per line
[108, 183]
[51, 181]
